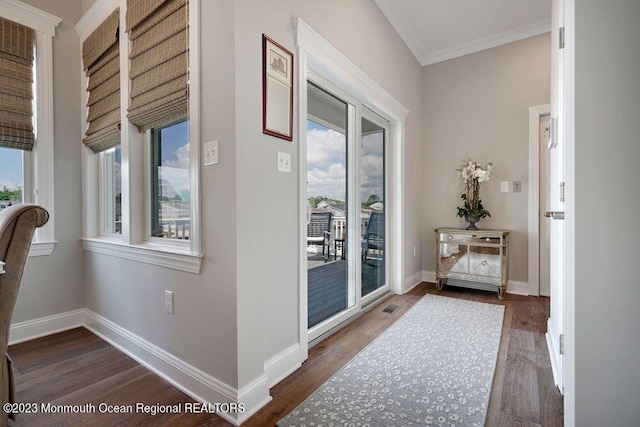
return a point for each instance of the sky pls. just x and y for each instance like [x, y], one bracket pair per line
[326, 163]
[175, 157]
[10, 168]
[326, 154]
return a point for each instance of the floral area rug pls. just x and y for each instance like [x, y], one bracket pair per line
[433, 366]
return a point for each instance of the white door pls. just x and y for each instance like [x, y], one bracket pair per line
[555, 214]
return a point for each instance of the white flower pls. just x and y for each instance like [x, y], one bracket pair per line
[472, 174]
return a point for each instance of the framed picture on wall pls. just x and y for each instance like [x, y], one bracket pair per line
[277, 90]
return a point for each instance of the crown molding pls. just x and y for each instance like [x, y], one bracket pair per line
[479, 45]
[29, 16]
[100, 10]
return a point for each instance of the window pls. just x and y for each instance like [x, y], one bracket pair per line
[26, 171]
[170, 188]
[111, 191]
[16, 107]
[141, 196]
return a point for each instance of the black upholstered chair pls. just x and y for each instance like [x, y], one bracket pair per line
[319, 231]
[373, 238]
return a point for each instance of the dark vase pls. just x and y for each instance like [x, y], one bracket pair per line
[472, 222]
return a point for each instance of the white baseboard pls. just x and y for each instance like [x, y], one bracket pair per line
[517, 287]
[411, 282]
[283, 364]
[429, 276]
[197, 384]
[31, 329]
[513, 286]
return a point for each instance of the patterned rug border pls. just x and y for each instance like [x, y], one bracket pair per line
[461, 396]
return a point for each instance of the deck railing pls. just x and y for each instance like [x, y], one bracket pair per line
[339, 226]
[178, 228]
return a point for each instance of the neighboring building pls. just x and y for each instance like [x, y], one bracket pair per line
[336, 209]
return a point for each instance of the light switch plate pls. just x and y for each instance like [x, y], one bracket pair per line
[211, 156]
[504, 186]
[284, 162]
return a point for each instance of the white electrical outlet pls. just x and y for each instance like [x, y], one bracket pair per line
[211, 156]
[284, 162]
[168, 302]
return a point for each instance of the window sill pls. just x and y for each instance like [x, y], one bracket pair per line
[149, 253]
[42, 248]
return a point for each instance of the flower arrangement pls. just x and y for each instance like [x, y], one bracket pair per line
[472, 174]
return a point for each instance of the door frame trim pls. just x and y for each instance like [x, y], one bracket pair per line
[313, 51]
[535, 113]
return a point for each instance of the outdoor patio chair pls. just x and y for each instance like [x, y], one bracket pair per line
[373, 238]
[319, 231]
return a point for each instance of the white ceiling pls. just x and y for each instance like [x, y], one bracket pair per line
[437, 30]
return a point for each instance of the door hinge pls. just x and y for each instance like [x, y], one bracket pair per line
[561, 37]
[562, 191]
[561, 343]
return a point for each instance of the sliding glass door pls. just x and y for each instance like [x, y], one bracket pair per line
[329, 290]
[372, 197]
[346, 221]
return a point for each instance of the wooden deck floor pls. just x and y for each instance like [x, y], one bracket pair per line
[77, 368]
[327, 284]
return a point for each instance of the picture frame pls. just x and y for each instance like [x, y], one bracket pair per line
[277, 90]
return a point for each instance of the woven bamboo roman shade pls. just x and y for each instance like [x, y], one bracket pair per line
[159, 58]
[101, 58]
[16, 85]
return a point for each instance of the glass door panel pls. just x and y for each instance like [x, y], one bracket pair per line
[327, 189]
[372, 211]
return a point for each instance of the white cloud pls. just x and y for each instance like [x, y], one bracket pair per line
[372, 164]
[5, 182]
[330, 183]
[372, 176]
[177, 177]
[326, 164]
[182, 153]
[324, 147]
[176, 172]
[373, 144]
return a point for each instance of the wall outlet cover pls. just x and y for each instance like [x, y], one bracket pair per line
[517, 186]
[168, 302]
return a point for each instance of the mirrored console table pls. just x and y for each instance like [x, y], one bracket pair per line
[472, 255]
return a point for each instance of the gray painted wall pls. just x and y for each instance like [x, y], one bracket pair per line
[477, 107]
[243, 307]
[53, 284]
[204, 331]
[267, 204]
[607, 200]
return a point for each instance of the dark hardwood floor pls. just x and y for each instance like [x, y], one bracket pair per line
[78, 368]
